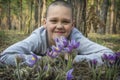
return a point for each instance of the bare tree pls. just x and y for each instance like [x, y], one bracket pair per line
[0, 15]
[36, 2]
[40, 11]
[21, 27]
[112, 16]
[9, 15]
[84, 17]
[43, 13]
[103, 15]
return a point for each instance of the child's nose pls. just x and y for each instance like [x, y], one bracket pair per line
[59, 25]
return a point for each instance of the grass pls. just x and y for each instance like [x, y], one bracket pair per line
[8, 38]
[110, 41]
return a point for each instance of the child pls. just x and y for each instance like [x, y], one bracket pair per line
[58, 22]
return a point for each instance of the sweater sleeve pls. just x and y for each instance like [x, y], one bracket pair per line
[24, 47]
[88, 49]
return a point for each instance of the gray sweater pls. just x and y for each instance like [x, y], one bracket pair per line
[38, 44]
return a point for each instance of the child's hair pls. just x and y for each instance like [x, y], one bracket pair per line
[60, 3]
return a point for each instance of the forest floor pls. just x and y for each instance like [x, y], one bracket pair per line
[8, 38]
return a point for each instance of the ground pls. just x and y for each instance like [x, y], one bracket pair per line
[8, 38]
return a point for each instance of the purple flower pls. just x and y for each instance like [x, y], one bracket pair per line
[63, 45]
[69, 74]
[52, 54]
[68, 49]
[117, 58]
[93, 63]
[57, 48]
[110, 58]
[117, 54]
[74, 44]
[71, 45]
[31, 60]
[56, 40]
[105, 57]
[64, 40]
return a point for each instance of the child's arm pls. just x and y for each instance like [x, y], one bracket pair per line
[88, 49]
[30, 44]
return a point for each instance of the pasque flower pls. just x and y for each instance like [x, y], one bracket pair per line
[52, 53]
[31, 59]
[69, 75]
[71, 46]
[68, 49]
[57, 48]
[62, 45]
[109, 58]
[74, 44]
[93, 63]
[62, 41]
[117, 54]
[111, 69]
[117, 58]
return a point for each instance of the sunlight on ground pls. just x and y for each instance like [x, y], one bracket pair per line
[10, 37]
[111, 41]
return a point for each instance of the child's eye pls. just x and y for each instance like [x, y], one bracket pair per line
[53, 21]
[66, 22]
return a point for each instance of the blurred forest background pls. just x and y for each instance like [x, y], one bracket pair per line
[91, 16]
[100, 16]
[99, 20]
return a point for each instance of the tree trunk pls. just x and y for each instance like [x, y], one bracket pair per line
[0, 16]
[70, 1]
[36, 13]
[118, 19]
[84, 18]
[78, 14]
[98, 7]
[30, 22]
[115, 19]
[21, 27]
[43, 11]
[9, 15]
[112, 16]
[40, 11]
[78, 7]
[103, 15]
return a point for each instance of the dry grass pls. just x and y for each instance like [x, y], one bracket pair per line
[10, 37]
[110, 41]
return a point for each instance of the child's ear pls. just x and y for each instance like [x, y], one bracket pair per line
[44, 22]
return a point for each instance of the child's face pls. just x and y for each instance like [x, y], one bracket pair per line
[58, 22]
